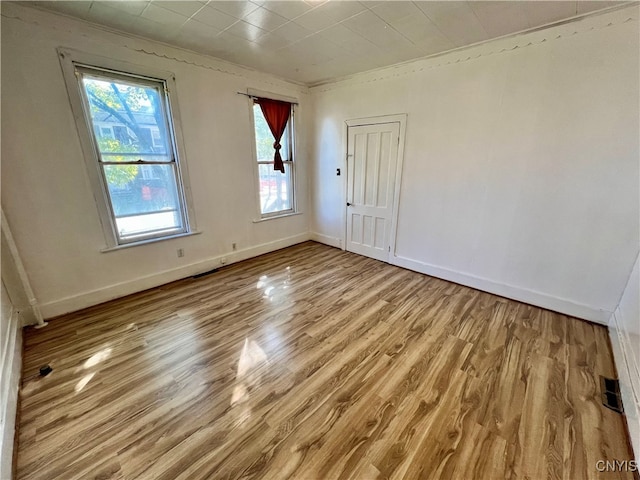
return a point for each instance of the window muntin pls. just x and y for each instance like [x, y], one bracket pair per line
[276, 189]
[130, 121]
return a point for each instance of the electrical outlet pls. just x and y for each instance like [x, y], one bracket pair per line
[233, 246]
[223, 261]
[181, 252]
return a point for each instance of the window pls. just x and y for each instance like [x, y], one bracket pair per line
[138, 163]
[106, 132]
[276, 189]
[157, 140]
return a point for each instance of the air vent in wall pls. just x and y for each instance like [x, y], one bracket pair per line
[610, 388]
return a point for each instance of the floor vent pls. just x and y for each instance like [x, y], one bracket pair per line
[205, 273]
[610, 388]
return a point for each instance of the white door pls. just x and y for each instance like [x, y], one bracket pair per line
[372, 156]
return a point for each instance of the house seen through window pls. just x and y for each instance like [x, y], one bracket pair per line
[131, 125]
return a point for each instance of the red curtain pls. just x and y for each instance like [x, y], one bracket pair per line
[276, 113]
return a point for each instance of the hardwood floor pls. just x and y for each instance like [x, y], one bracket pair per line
[313, 363]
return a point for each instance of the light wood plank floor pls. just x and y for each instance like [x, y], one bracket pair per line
[313, 363]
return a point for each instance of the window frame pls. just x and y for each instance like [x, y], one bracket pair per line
[288, 163]
[71, 61]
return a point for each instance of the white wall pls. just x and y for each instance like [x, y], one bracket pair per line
[10, 365]
[10, 275]
[521, 162]
[46, 194]
[521, 159]
[625, 339]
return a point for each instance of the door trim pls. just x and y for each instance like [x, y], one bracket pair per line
[400, 118]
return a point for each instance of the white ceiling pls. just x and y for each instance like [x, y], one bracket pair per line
[314, 41]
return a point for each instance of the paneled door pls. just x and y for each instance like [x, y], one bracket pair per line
[372, 157]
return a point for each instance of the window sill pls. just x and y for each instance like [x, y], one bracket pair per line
[148, 241]
[288, 214]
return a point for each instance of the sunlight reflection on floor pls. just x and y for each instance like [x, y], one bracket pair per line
[252, 365]
[270, 289]
[83, 382]
[98, 357]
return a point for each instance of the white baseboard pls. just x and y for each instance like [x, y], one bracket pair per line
[629, 376]
[27, 315]
[327, 240]
[531, 297]
[10, 370]
[94, 297]
[110, 292]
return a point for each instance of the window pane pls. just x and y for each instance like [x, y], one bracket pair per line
[135, 115]
[275, 189]
[144, 198]
[264, 138]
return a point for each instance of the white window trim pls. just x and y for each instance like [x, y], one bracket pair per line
[290, 214]
[68, 59]
[256, 171]
[150, 240]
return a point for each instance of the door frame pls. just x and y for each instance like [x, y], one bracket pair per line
[400, 118]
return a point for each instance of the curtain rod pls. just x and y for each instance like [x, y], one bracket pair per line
[255, 96]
